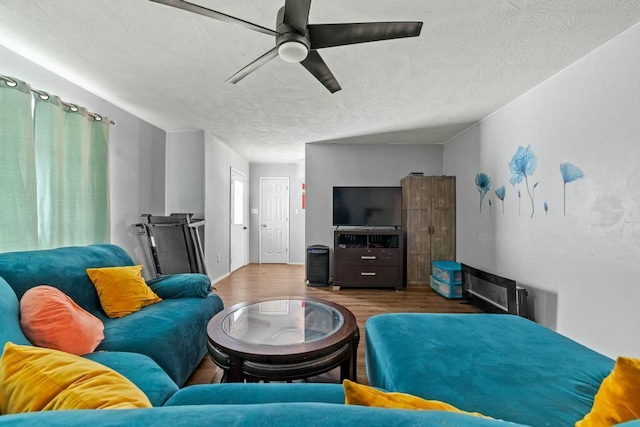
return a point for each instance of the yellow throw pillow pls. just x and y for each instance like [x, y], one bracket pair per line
[358, 394]
[122, 290]
[40, 379]
[618, 398]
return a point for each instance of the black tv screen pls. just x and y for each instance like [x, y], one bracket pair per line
[367, 206]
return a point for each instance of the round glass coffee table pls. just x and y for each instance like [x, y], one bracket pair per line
[284, 339]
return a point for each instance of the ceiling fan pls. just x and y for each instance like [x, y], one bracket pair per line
[299, 41]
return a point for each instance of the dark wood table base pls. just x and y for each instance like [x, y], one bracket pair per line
[237, 369]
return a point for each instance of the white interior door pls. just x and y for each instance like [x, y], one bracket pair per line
[274, 220]
[237, 228]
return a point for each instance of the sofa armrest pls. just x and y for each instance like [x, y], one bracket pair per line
[187, 285]
[265, 415]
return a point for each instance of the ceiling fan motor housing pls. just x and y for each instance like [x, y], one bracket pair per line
[287, 33]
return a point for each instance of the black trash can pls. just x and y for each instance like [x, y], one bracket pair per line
[318, 265]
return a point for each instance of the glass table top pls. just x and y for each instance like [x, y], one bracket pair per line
[282, 322]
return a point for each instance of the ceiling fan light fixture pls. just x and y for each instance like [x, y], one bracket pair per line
[293, 51]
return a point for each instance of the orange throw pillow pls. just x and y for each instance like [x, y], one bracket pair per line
[49, 318]
[122, 290]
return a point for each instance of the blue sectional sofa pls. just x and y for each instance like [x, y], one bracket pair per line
[172, 333]
[503, 366]
[159, 346]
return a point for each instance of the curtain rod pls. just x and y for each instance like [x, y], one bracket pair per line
[45, 96]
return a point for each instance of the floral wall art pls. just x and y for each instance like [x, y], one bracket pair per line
[522, 167]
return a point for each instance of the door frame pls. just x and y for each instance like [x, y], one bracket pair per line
[287, 213]
[233, 171]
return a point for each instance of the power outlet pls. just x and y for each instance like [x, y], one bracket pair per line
[218, 257]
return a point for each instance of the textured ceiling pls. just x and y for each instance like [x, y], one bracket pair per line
[169, 66]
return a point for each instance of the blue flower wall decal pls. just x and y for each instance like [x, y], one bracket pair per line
[501, 192]
[546, 208]
[483, 183]
[569, 174]
[522, 165]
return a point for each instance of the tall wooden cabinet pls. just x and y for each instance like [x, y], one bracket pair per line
[429, 221]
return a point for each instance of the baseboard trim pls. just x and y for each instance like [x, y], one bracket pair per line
[219, 278]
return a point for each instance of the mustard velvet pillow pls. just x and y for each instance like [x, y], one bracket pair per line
[40, 379]
[121, 290]
[49, 318]
[358, 394]
[618, 398]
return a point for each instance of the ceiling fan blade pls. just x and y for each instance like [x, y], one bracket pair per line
[316, 66]
[184, 5]
[296, 14]
[253, 66]
[329, 35]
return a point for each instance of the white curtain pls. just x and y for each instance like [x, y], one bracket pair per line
[72, 175]
[54, 180]
[18, 216]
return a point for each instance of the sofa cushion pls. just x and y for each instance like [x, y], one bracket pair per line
[40, 379]
[122, 290]
[358, 394]
[189, 285]
[140, 370]
[172, 332]
[51, 319]
[10, 317]
[502, 366]
[253, 393]
[618, 398]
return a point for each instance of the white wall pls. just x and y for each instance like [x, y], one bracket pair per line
[295, 173]
[184, 181]
[582, 268]
[329, 165]
[136, 151]
[219, 159]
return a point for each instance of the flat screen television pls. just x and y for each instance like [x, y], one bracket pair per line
[367, 206]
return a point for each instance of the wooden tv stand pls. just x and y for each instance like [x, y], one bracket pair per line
[368, 258]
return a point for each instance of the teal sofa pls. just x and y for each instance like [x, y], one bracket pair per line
[503, 366]
[234, 404]
[485, 364]
[171, 333]
[159, 346]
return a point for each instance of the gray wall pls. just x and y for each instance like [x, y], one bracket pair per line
[329, 165]
[295, 173]
[582, 268]
[219, 159]
[136, 152]
[184, 182]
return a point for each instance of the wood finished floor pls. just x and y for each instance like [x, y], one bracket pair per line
[256, 281]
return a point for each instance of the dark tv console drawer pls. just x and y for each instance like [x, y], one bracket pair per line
[368, 258]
